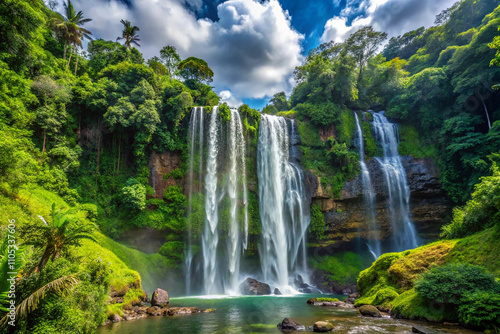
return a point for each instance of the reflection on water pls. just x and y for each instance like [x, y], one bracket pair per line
[261, 314]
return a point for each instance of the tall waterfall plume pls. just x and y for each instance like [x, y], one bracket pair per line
[218, 159]
[369, 197]
[403, 232]
[284, 213]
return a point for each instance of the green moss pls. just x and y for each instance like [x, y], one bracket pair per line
[410, 305]
[346, 127]
[173, 250]
[327, 299]
[309, 135]
[342, 267]
[411, 144]
[288, 114]
[369, 140]
[317, 226]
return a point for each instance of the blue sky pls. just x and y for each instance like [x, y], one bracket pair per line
[252, 46]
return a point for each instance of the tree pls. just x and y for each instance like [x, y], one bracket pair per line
[70, 27]
[280, 102]
[195, 69]
[63, 231]
[170, 58]
[129, 34]
[363, 44]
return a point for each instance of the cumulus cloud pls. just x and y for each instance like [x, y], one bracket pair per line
[230, 99]
[395, 17]
[252, 48]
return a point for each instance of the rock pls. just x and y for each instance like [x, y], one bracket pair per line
[290, 325]
[155, 311]
[255, 288]
[338, 304]
[369, 311]
[383, 309]
[160, 298]
[354, 295]
[350, 300]
[421, 330]
[115, 318]
[306, 290]
[277, 292]
[301, 280]
[161, 164]
[322, 326]
[311, 301]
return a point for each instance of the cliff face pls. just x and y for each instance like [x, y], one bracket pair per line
[161, 164]
[344, 216]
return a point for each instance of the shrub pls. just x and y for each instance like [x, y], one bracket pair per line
[449, 284]
[480, 310]
[324, 299]
[134, 195]
[317, 226]
[173, 250]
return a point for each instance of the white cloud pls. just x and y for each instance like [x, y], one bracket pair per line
[252, 48]
[395, 17]
[232, 101]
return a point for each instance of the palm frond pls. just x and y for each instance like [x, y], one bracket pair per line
[58, 286]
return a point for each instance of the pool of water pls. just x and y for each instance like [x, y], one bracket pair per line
[261, 314]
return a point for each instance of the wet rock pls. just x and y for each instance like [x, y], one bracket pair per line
[253, 287]
[277, 292]
[369, 311]
[160, 298]
[311, 301]
[182, 310]
[115, 318]
[338, 304]
[421, 330]
[155, 311]
[288, 325]
[322, 327]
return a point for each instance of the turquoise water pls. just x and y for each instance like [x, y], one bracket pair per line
[261, 314]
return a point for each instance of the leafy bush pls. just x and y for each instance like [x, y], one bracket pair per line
[134, 195]
[449, 284]
[480, 310]
[481, 212]
[324, 299]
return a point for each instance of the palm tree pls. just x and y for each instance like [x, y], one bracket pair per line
[69, 26]
[62, 232]
[129, 34]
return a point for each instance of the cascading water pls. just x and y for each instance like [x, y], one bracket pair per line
[283, 211]
[403, 232]
[196, 128]
[225, 155]
[369, 197]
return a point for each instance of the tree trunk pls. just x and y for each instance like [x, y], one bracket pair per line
[69, 59]
[44, 140]
[43, 261]
[65, 48]
[76, 65]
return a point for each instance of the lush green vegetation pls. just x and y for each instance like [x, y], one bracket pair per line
[341, 267]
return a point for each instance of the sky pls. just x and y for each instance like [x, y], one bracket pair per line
[252, 46]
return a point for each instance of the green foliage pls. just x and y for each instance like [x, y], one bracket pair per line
[449, 284]
[410, 143]
[224, 112]
[480, 310]
[317, 226]
[280, 102]
[481, 212]
[173, 250]
[174, 208]
[342, 267]
[195, 69]
[134, 195]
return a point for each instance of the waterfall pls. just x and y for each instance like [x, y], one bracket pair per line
[369, 197]
[195, 132]
[403, 232]
[284, 214]
[220, 165]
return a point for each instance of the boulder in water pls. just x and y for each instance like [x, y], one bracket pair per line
[311, 301]
[160, 298]
[277, 292]
[322, 326]
[255, 288]
[369, 311]
[288, 325]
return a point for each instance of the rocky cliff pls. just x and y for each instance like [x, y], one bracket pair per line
[345, 216]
